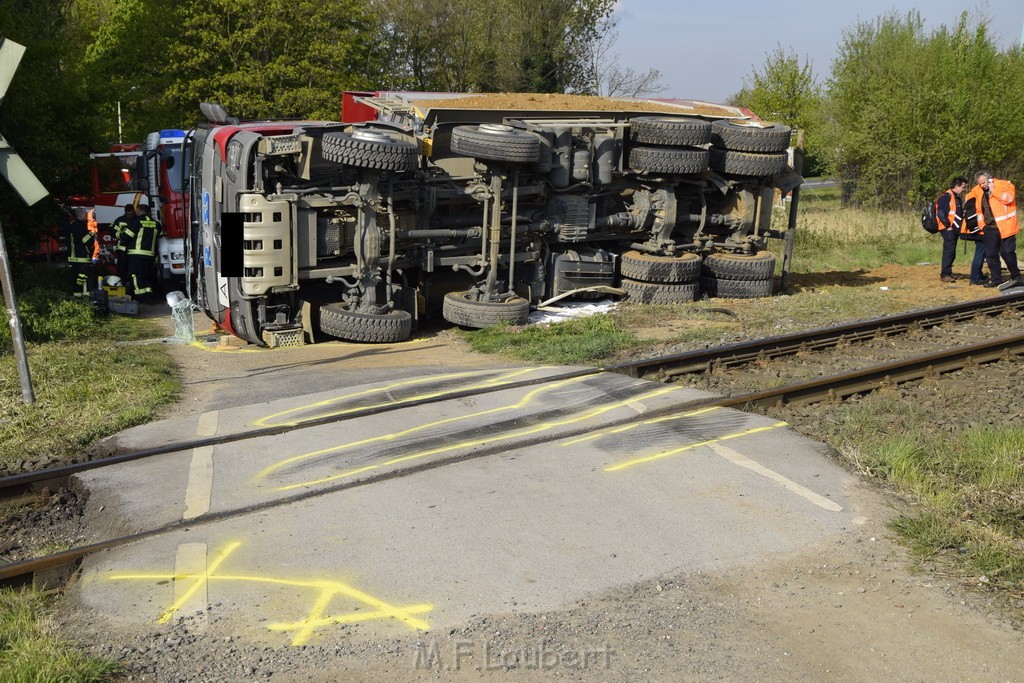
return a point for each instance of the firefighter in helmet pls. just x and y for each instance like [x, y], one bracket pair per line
[139, 238]
[80, 256]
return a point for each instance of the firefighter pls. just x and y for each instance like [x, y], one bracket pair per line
[997, 218]
[949, 210]
[80, 253]
[140, 246]
[120, 247]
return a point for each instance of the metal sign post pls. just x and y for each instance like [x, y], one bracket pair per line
[31, 191]
[15, 322]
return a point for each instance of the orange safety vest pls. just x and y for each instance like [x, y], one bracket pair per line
[953, 217]
[1002, 201]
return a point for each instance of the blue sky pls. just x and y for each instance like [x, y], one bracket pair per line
[704, 50]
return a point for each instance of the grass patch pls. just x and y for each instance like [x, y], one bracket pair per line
[572, 341]
[86, 388]
[969, 483]
[29, 653]
[831, 237]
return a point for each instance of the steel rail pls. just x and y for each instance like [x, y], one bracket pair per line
[836, 387]
[659, 368]
[666, 367]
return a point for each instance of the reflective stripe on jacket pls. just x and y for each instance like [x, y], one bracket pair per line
[1002, 201]
[79, 238]
[141, 237]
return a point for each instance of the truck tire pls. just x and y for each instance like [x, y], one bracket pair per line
[338, 321]
[750, 136]
[760, 266]
[659, 292]
[663, 130]
[735, 289]
[495, 142]
[460, 309]
[683, 160]
[369, 149]
[747, 164]
[636, 265]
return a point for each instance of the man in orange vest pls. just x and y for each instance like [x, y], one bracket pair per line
[997, 217]
[949, 210]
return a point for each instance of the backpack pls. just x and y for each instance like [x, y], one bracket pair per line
[970, 230]
[928, 220]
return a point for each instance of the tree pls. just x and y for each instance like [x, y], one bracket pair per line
[610, 80]
[260, 59]
[503, 45]
[906, 110]
[786, 91]
[49, 112]
[269, 58]
[127, 62]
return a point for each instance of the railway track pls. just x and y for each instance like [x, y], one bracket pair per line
[667, 368]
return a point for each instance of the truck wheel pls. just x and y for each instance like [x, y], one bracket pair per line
[747, 164]
[338, 321]
[663, 130]
[735, 289]
[685, 160]
[370, 149]
[660, 293]
[760, 266]
[462, 308]
[495, 142]
[636, 265]
[750, 136]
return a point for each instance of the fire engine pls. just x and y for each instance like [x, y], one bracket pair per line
[151, 172]
[474, 208]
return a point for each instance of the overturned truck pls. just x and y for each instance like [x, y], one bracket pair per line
[473, 208]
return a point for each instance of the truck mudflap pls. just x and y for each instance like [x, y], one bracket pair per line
[266, 245]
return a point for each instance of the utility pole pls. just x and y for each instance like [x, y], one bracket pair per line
[25, 183]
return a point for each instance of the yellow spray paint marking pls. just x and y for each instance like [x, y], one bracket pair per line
[270, 420]
[542, 427]
[522, 403]
[200, 581]
[216, 349]
[327, 591]
[664, 454]
[626, 428]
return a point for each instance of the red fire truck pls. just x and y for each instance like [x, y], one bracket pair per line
[135, 173]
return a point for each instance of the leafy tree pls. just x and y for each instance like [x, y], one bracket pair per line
[270, 58]
[503, 45]
[128, 62]
[907, 110]
[49, 114]
[786, 91]
[260, 59]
